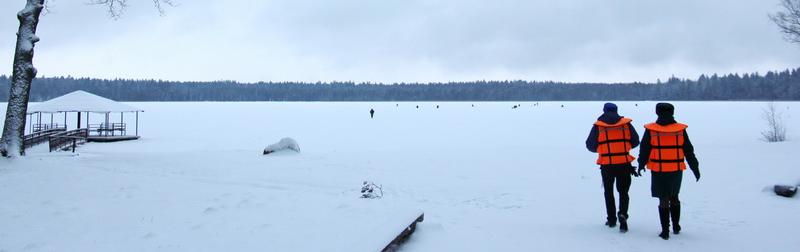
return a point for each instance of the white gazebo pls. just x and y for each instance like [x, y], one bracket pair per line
[82, 102]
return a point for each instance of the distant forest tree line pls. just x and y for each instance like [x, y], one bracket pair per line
[784, 85]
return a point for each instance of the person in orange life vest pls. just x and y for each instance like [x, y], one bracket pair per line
[612, 137]
[665, 147]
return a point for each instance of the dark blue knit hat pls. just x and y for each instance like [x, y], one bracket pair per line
[609, 107]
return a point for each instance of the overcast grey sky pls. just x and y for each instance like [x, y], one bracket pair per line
[406, 40]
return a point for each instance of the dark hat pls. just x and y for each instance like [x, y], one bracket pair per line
[664, 109]
[609, 107]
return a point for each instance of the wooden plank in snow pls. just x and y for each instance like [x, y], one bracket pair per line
[403, 236]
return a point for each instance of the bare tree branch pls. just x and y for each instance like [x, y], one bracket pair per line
[788, 20]
[158, 3]
[117, 7]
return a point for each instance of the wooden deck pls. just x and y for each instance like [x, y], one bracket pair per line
[60, 139]
[106, 139]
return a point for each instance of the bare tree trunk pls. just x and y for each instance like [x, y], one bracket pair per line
[22, 74]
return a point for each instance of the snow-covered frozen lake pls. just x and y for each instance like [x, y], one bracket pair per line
[488, 177]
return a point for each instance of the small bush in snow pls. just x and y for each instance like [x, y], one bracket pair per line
[283, 144]
[370, 190]
[776, 130]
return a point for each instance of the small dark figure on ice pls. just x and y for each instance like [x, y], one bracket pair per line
[612, 137]
[371, 113]
[665, 151]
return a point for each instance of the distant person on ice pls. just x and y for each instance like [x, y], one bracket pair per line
[371, 113]
[612, 137]
[665, 147]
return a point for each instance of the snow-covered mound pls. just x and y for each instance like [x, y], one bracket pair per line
[283, 144]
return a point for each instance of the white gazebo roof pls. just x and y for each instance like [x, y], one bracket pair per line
[81, 101]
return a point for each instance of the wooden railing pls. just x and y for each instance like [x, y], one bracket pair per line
[67, 139]
[103, 129]
[37, 127]
[39, 137]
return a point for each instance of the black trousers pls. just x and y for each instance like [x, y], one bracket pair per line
[621, 175]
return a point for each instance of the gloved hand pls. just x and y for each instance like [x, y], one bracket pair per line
[634, 172]
[641, 169]
[696, 174]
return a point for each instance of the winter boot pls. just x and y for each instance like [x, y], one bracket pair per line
[623, 222]
[663, 213]
[611, 223]
[611, 211]
[675, 212]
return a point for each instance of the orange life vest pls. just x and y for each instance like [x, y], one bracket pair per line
[614, 142]
[667, 153]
